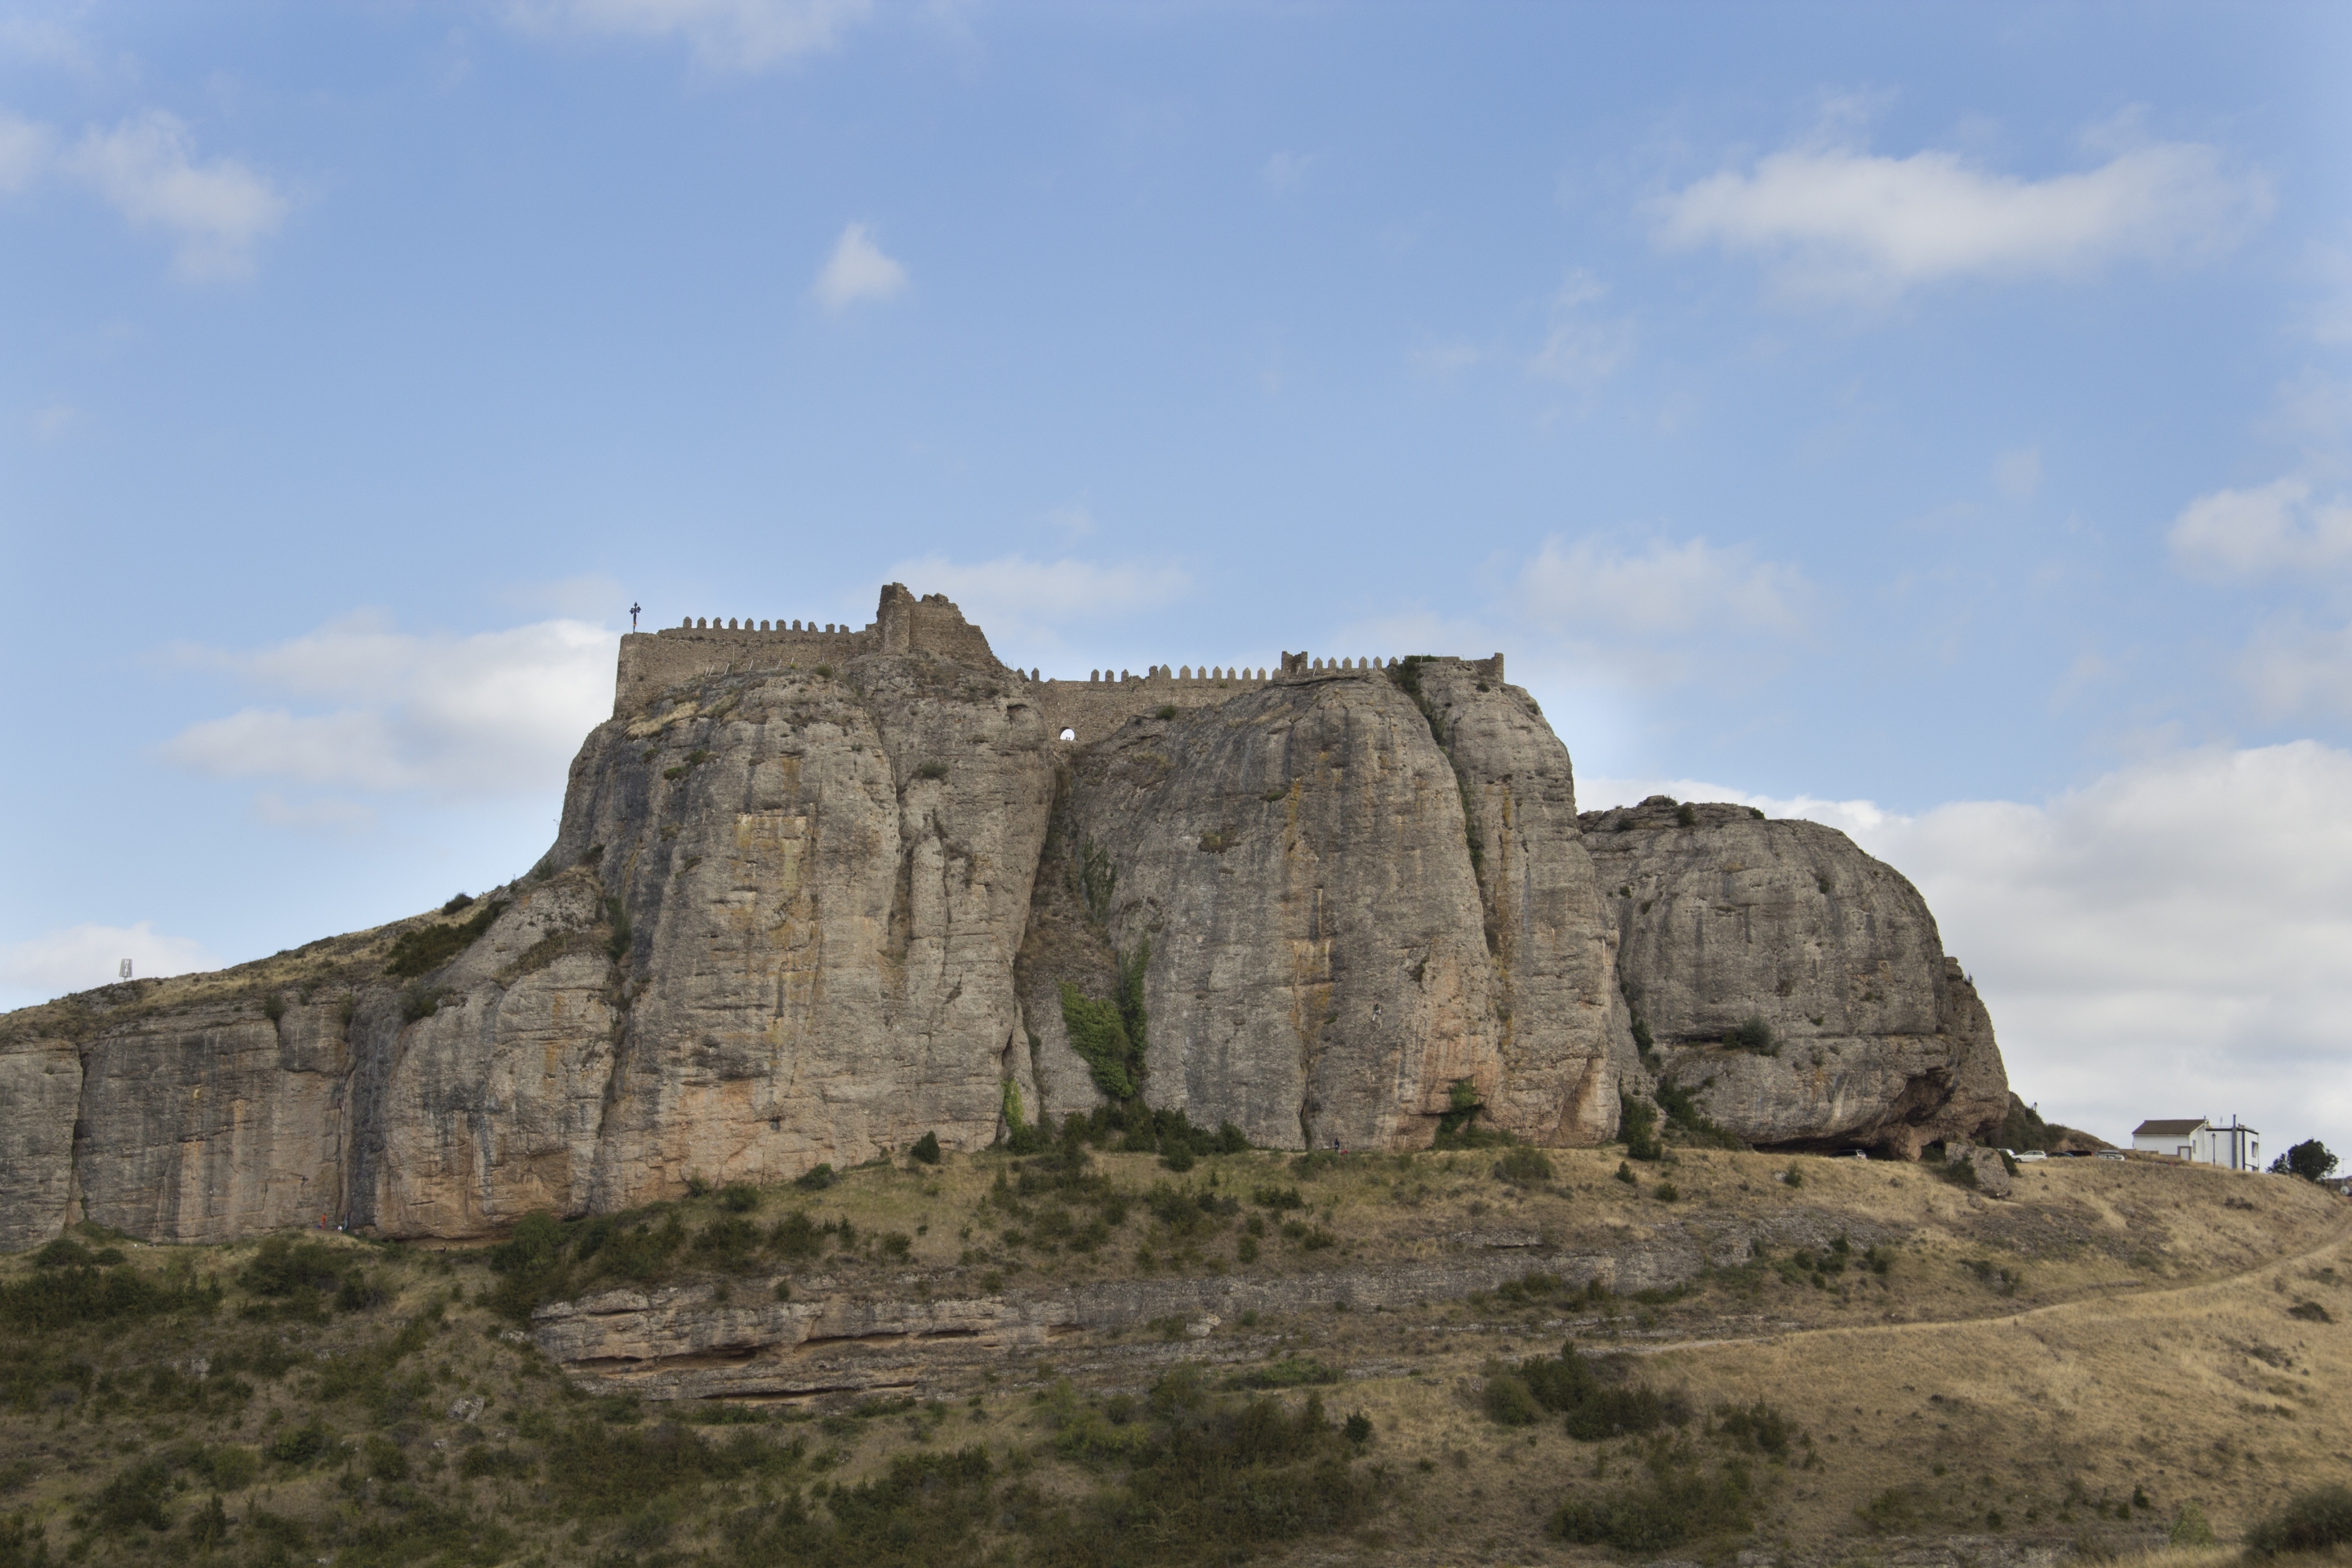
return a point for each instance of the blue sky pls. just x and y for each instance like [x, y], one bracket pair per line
[1933, 420]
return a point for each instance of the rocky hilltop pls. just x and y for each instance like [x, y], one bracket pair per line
[819, 892]
[1796, 987]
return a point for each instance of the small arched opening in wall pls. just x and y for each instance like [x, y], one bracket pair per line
[1068, 733]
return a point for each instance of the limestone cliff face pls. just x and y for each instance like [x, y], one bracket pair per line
[40, 1092]
[1327, 956]
[493, 1104]
[194, 1123]
[1560, 1027]
[1723, 915]
[825, 878]
[818, 892]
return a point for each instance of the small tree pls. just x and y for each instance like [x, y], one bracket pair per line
[2309, 1159]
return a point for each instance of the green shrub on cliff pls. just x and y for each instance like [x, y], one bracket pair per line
[420, 950]
[1637, 1127]
[1109, 1035]
[1099, 1037]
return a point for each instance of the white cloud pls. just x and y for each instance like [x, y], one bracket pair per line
[2272, 528]
[2017, 475]
[725, 35]
[147, 169]
[1665, 589]
[1579, 346]
[2167, 940]
[44, 41]
[54, 423]
[26, 150]
[495, 712]
[82, 956]
[1839, 222]
[857, 270]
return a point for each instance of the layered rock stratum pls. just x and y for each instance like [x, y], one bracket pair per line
[817, 893]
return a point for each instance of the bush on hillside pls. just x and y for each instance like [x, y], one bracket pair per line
[1637, 1127]
[2316, 1520]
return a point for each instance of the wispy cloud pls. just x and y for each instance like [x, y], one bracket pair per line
[1581, 346]
[216, 211]
[857, 270]
[2270, 530]
[738, 35]
[26, 150]
[366, 706]
[1838, 223]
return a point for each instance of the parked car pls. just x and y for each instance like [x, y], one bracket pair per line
[2110, 1153]
[2025, 1155]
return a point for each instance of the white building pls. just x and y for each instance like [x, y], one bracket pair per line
[2232, 1147]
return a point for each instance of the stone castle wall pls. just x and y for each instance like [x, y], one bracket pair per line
[1087, 709]
[1084, 711]
[653, 661]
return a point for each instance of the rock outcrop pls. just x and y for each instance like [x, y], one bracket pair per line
[1327, 957]
[817, 892]
[1859, 1032]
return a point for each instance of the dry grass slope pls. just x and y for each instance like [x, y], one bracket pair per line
[1869, 1364]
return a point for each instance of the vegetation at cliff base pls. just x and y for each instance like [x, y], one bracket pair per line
[1265, 1355]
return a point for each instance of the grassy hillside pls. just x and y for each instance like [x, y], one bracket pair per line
[1875, 1354]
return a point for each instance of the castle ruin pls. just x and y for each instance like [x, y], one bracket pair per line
[1076, 711]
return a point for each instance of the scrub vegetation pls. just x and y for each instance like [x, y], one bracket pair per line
[1851, 1375]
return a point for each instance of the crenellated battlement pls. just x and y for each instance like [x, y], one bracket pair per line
[1080, 710]
[715, 624]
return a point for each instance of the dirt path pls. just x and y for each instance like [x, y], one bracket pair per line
[2012, 1320]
